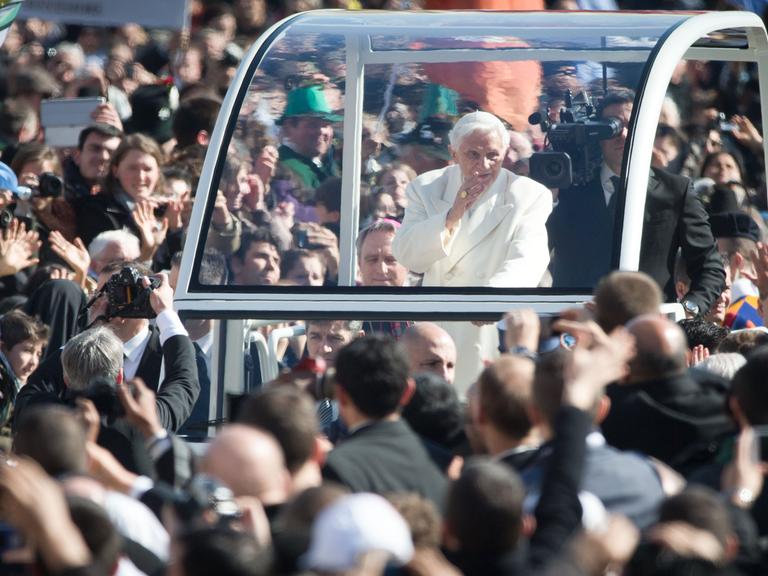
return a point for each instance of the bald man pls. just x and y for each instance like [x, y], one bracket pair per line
[662, 410]
[250, 462]
[430, 349]
[661, 349]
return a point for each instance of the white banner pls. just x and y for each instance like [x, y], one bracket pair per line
[149, 13]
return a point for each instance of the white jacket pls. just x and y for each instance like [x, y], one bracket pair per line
[501, 242]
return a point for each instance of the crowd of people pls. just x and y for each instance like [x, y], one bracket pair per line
[608, 440]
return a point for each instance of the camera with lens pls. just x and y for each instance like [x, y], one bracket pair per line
[721, 124]
[575, 155]
[48, 186]
[127, 297]
[206, 501]
[103, 393]
[160, 210]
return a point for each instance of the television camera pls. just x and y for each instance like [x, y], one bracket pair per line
[575, 154]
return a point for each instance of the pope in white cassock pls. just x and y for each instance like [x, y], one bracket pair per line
[475, 223]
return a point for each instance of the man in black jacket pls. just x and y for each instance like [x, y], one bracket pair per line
[663, 410]
[382, 454]
[484, 523]
[99, 354]
[582, 225]
[142, 343]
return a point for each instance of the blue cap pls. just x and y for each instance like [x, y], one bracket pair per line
[8, 180]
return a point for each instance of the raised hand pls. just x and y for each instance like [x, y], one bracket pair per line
[760, 261]
[140, 407]
[18, 248]
[221, 215]
[699, 353]
[523, 328]
[469, 191]
[35, 504]
[74, 254]
[174, 215]
[597, 360]
[745, 473]
[151, 236]
[746, 133]
[107, 114]
[266, 164]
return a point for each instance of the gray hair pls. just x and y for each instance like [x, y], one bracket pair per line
[72, 49]
[724, 364]
[483, 122]
[383, 225]
[126, 239]
[95, 353]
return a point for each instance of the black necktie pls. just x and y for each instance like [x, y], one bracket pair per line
[202, 367]
[616, 181]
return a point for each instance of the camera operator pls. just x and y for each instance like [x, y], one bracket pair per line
[144, 349]
[581, 227]
[41, 205]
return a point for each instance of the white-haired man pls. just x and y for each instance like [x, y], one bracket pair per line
[475, 223]
[113, 246]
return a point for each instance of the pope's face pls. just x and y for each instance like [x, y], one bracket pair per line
[480, 154]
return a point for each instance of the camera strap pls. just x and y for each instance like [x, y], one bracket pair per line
[90, 303]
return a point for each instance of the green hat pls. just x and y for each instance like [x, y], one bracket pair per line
[308, 101]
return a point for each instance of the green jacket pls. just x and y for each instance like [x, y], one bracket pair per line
[307, 171]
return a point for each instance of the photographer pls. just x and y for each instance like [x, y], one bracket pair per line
[582, 225]
[144, 348]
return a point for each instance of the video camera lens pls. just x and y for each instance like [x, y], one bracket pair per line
[553, 169]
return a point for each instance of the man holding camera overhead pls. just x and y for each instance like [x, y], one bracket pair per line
[582, 225]
[144, 348]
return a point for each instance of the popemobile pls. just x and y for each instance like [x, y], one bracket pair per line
[358, 103]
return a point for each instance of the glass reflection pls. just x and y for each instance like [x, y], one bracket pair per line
[278, 209]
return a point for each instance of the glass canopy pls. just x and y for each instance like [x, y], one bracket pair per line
[333, 114]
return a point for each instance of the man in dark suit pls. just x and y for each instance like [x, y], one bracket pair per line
[97, 355]
[502, 417]
[142, 346]
[582, 225]
[382, 454]
[168, 343]
[662, 410]
[625, 483]
[484, 514]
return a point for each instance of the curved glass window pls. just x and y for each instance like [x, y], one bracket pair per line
[339, 174]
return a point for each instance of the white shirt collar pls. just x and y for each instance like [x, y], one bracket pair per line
[205, 342]
[595, 439]
[134, 348]
[516, 450]
[605, 180]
